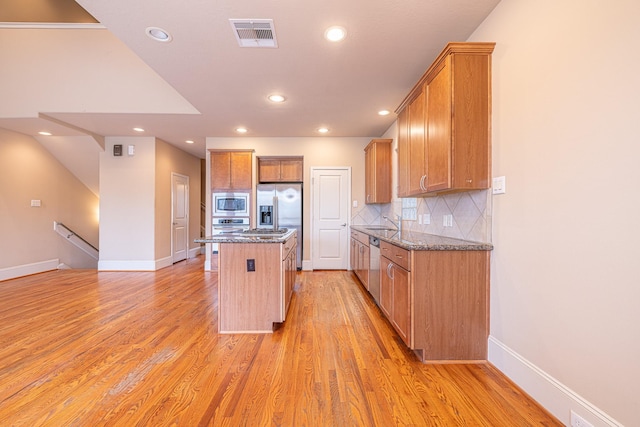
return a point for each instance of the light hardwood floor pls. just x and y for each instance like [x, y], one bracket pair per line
[82, 348]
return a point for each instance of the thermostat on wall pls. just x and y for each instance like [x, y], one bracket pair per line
[117, 150]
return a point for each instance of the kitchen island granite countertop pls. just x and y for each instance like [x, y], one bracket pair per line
[247, 238]
[416, 241]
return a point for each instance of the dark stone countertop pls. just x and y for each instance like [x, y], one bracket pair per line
[412, 240]
[247, 238]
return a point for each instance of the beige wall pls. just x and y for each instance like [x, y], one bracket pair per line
[317, 152]
[29, 172]
[170, 159]
[127, 205]
[565, 322]
[135, 203]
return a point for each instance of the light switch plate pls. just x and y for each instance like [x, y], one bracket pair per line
[499, 185]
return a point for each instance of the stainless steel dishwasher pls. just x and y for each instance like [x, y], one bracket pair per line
[374, 268]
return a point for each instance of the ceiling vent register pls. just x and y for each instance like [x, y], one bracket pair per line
[254, 32]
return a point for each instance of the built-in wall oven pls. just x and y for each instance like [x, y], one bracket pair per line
[230, 205]
[228, 225]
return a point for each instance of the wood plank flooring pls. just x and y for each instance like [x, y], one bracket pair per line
[87, 348]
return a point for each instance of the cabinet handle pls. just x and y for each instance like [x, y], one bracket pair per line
[389, 270]
[423, 178]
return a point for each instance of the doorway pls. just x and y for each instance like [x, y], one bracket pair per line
[330, 210]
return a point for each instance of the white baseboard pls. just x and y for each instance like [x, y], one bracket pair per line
[307, 266]
[164, 262]
[554, 396]
[194, 252]
[27, 269]
[127, 266]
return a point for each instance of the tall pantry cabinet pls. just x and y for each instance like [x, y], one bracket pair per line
[444, 124]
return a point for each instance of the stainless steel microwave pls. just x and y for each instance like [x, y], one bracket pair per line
[230, 204]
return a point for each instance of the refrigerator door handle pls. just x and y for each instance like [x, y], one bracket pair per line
[275, 213]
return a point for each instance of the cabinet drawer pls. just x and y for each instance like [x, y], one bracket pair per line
[396, 254]
[360, 237]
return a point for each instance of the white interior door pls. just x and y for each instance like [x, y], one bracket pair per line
[179, 216]
[330, 217]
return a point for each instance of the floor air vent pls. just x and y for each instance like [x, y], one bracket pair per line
[254, 32]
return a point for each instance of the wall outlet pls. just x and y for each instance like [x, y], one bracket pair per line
[426, 219]
[447, 220]
[499, 185]
[36, 203]
[578, 421]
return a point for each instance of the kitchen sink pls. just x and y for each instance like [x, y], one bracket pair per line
[265, 232]
[380, 229]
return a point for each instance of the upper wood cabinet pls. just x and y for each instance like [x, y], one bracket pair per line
[378, 171]
[444, 124]
[231, 170]
[280, 169]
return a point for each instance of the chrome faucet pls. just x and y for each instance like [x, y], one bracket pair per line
[398, 225]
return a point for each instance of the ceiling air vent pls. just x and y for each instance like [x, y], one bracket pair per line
[254, 32]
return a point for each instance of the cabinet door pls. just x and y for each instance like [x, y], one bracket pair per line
[403, 153]
[291, 170]
[386, 286]
[471, 147]
[364, 265]
[369, 174]
[354, 255]
[439, 129]
[220, 170]
[269, 170]
[241, 170]
[378, 171]
[417, 151]
[401, 303]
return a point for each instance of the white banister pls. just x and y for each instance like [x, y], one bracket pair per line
[76, 240]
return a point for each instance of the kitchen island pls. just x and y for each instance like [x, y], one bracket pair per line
[256, 276]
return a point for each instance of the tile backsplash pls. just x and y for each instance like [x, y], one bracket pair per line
[470, 212]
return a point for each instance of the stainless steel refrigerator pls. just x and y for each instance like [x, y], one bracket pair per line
[280, 206]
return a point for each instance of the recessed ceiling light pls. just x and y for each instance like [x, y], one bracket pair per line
[158, 34]
[276, 98]
[188, 141]
[45, 133]
[335, 34]
[383, 112]
[241, 130]
[138, 129]
[323, 130]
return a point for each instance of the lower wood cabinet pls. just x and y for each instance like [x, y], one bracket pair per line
[395, 298]
[360, 256]
[289, 272]
[450, 298]
[437, 301]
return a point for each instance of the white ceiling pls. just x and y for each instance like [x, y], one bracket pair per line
[110, 77]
